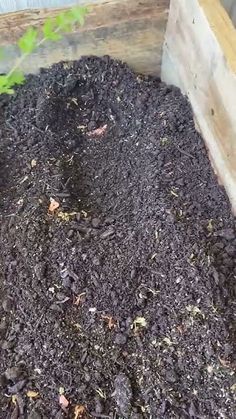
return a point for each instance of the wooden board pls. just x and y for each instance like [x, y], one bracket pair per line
[130, 30]
[7, 6]
[230, 7]
[200, 44]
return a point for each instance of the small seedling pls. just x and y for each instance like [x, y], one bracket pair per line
[52, 30]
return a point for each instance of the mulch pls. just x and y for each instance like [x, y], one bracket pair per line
[117, 252]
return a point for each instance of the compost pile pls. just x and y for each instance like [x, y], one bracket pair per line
[117, 252]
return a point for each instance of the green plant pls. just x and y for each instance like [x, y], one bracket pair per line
[52, 30]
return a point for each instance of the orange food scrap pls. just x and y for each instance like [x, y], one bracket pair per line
[53, 205]
[79, 411]
[64, 403]
[98, 132]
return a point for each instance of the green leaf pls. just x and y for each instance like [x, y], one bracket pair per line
[4, 85]
[17, 77]
[78, 14]
[28, 42]
[64, 22]
[3, 80]
[49, 30]
[7, 81]
[6, 90]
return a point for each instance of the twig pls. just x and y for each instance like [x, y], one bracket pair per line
[184, 152]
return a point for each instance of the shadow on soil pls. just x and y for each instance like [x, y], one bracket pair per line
[222, 251]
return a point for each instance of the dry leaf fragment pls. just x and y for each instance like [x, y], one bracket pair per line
[79, 411]
[180, 329]
[24, 179]
[164, 140]
[53, 205]
[82, 127]
[13, 399]
[75, 101]
[61, 390]
[225, 363]
[210, 369]
[210, 226]
[233, 387]
[20, 202]
[32, 394]
[101, 393]
[92, 310]
[138, 323]
[174, 193]
[98, 132]
[64, 403]
[110, 320]
[167, 341]
[33, 163]
[195, 311]
[66, 216]
[79, 299]
[66, 66]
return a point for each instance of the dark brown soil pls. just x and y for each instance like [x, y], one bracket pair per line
[124, 296]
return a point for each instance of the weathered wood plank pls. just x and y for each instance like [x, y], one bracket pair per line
[7, 6]
[129, 30]
[200, 45]
[230, 7]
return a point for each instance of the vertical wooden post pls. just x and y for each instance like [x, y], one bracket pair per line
[200, 45]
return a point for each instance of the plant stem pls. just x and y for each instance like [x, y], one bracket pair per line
[17, 64]
[25, 55]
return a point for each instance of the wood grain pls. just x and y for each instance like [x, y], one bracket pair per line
[7, 6]
[130, 30]
[200, 44]
[230, 7]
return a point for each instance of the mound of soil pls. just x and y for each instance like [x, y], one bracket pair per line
[117, 252]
